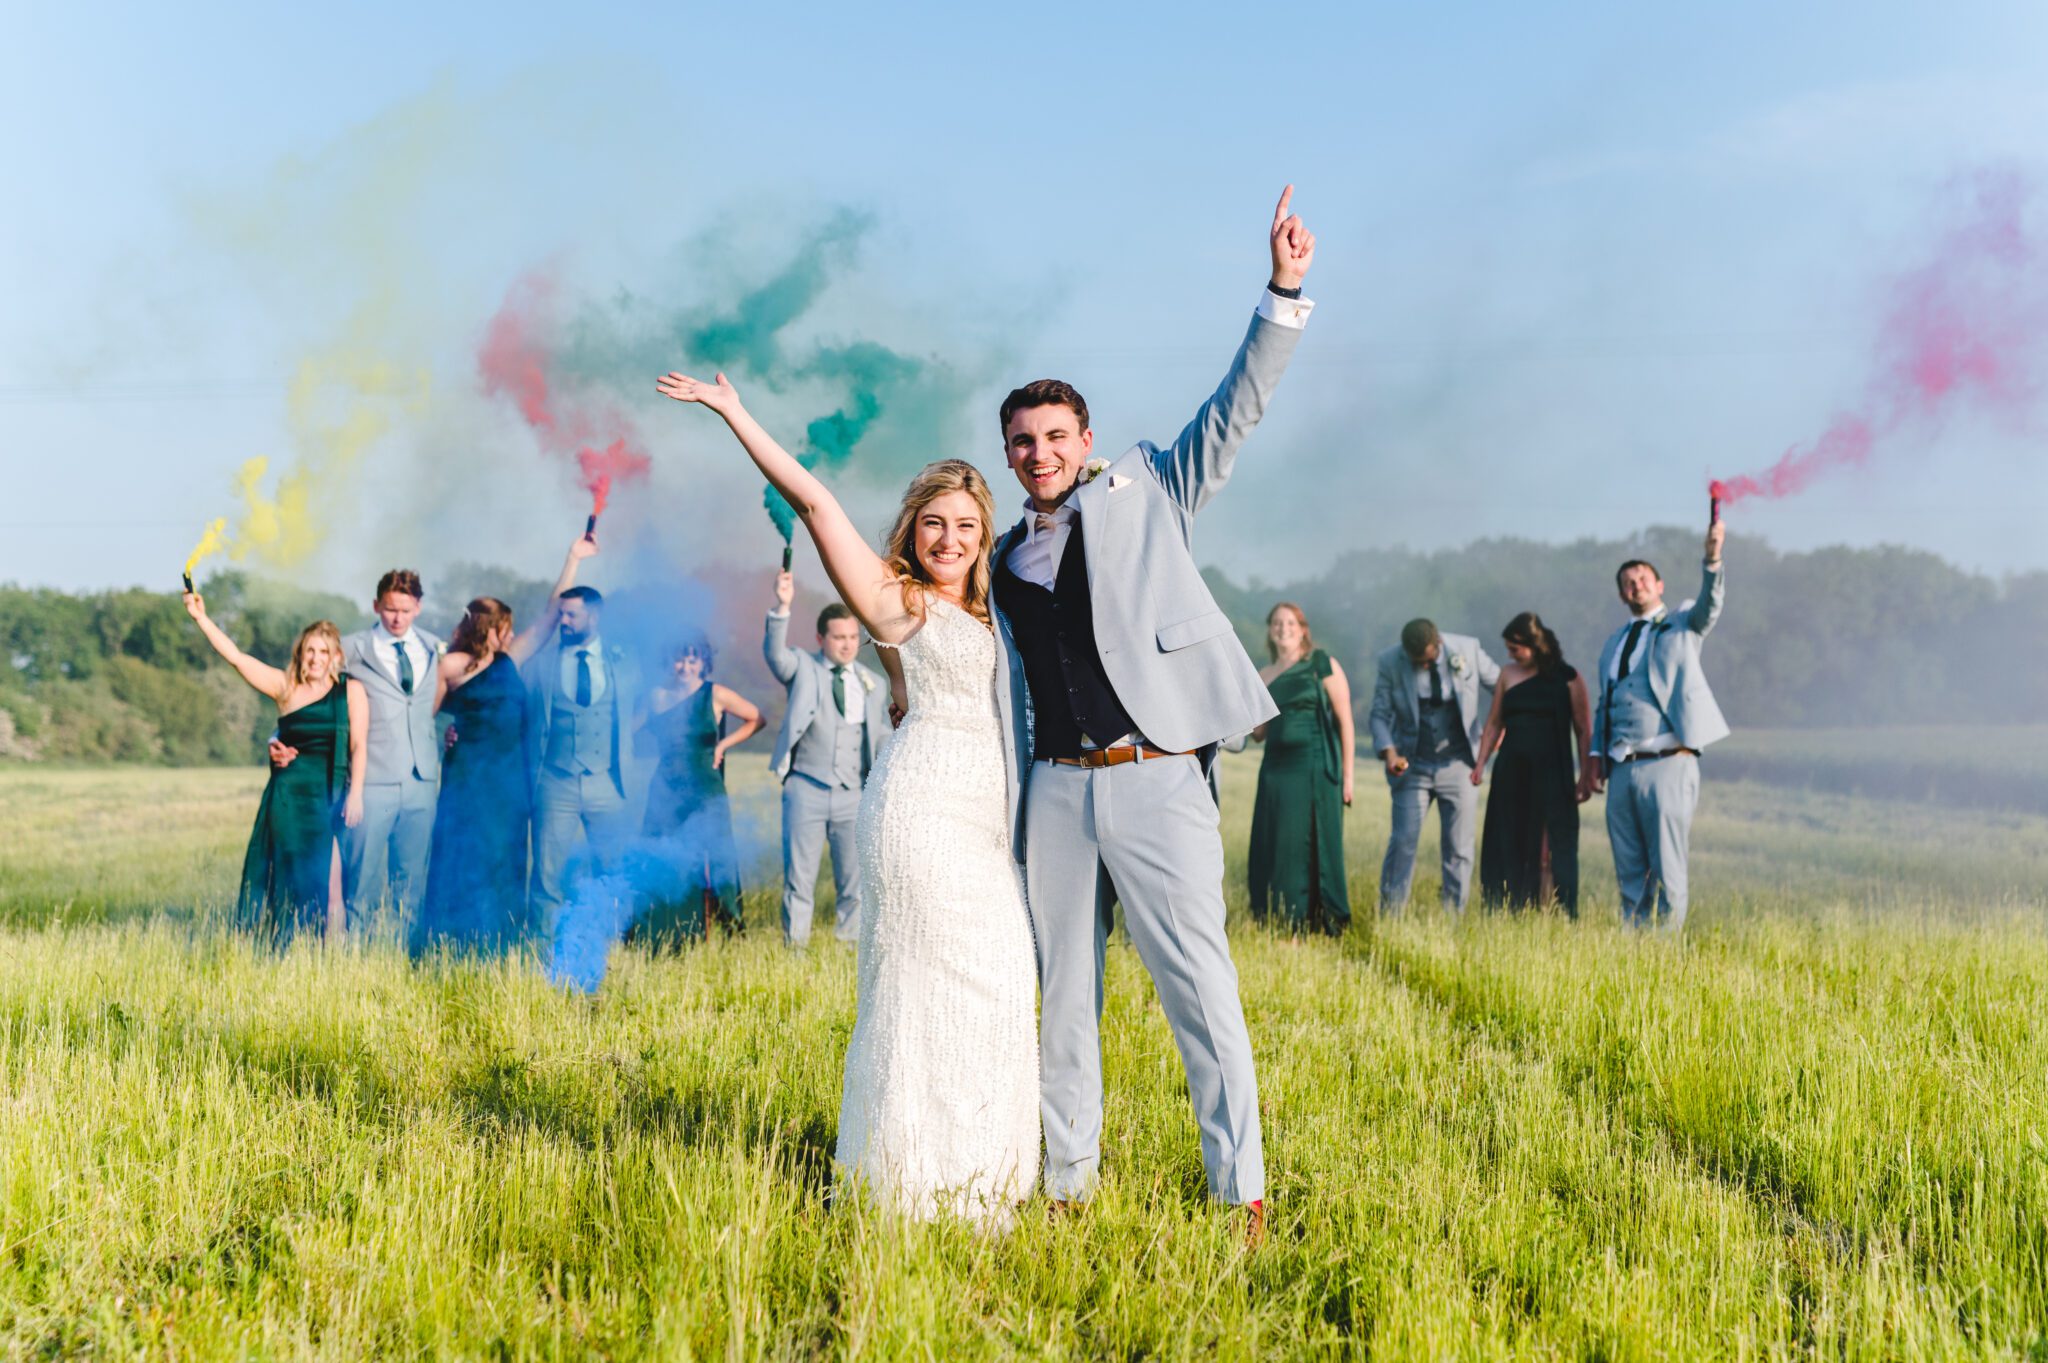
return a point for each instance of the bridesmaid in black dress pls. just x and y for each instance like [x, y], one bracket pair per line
[291, 875]
[476, 875]
[689, 819]
[1529, 851]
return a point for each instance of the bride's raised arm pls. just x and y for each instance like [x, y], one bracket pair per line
[864, 581]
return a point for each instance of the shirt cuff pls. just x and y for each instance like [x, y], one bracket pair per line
[779, 613]
[1287, 312]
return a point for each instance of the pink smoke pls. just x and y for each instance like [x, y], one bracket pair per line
[1961, 327]
[513, 362]
[616, 460]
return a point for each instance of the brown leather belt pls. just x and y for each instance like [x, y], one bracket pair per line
[1653, 756]
[1115, 757]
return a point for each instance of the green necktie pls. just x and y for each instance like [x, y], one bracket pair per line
[404, 667]
[839, 689]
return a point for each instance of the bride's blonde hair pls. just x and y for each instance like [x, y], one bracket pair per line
[933, 482]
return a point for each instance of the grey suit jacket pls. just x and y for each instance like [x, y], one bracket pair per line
[393, 751]
[1396, 717]
[1670, 648]
[542, 672]
[808, 678]
[1171, 654]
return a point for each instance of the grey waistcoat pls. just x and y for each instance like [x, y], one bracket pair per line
[579, 741]
[1632, 714]
[831, 751]
[1442, 735]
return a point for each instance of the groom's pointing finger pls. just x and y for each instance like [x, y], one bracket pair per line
[1280, 211]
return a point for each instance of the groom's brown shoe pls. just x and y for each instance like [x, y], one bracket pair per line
[1254, 1223]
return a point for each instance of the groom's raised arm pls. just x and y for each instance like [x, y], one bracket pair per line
[1198, 463]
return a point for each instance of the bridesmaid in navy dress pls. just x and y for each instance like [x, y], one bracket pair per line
[476, 877]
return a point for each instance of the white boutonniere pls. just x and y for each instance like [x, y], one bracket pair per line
[1093, 469]
[1457, 664]
[867, 683]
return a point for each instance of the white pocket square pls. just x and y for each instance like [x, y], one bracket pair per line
[1118, 481]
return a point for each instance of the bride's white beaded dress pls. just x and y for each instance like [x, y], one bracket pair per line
[940, 1107]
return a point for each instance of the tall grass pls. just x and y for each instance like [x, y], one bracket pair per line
[1814, 1128]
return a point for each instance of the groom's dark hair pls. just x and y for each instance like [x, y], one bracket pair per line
[1043, 393]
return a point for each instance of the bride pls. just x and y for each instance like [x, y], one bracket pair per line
[940, 1107]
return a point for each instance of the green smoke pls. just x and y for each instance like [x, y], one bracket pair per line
[756, 338]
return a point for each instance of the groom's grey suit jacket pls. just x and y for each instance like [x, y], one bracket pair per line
[1671, 651]
[1168, 650]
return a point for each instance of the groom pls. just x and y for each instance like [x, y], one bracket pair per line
[1118, 678]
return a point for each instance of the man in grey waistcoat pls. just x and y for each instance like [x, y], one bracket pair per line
[1655, 714]
[1427, 719]
[1117, 678]
[833, 728]
[583, 694]
[384, 858]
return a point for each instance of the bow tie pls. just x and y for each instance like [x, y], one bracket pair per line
[1046, 522]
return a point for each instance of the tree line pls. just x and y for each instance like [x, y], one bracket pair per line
[1834, 637]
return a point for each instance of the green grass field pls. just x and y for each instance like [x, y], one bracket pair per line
[1817, 1127]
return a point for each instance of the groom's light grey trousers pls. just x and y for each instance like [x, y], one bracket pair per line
[1152, 826]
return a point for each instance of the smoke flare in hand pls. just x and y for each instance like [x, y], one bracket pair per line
[1965, 324]
[599, 467]
[210, 543]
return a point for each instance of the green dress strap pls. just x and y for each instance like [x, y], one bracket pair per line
[337, 761]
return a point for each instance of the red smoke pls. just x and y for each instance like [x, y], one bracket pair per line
[1963, 324]
[513, 362]
[511, 359]
[616, 460]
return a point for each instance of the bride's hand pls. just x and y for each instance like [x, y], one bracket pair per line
[721, 397]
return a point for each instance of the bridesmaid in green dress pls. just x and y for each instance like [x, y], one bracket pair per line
[1305, 782]
[689, 819]
[291, 876]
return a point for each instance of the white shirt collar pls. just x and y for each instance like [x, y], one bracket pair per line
[385, 636]
[1063, 514]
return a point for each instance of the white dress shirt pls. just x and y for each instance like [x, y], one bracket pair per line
[600, 675]
[385, 645]
[1288, 312]
[1037, 559]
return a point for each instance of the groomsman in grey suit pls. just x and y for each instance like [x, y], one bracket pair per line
[1656, 712]
[582, 693]
[1427, 719]
[832, 730]
[384, 858]
[1117, 678]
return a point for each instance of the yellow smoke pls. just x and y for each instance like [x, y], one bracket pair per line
[341, 402]
[210, 543]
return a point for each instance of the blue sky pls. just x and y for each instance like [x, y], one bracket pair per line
[1573, 258]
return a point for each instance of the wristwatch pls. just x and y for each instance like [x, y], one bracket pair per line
[1279, 292]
